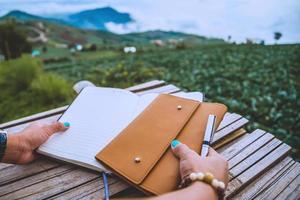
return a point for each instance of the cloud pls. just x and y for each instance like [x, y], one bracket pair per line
[213, 18]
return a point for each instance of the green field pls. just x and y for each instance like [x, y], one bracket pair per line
[260, 82]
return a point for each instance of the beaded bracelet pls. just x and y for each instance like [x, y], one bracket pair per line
[208, 178]
[3, 142]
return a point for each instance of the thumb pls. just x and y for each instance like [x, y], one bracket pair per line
[56, 127]
[180, 150]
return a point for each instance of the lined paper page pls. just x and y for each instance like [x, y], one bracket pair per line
[96, 116]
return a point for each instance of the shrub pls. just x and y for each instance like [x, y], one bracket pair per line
[51, 88]
[26, 89]
[18, 74]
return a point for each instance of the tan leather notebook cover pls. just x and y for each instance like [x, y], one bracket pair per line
[141, 153]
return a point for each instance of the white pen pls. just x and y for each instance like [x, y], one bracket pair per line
[208, 135]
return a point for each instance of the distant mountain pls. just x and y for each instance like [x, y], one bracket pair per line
[171, 35]
[21, 15]
[88, 19]
[97, 18]
[162, 35]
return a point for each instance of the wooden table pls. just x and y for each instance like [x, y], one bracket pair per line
[260, 167]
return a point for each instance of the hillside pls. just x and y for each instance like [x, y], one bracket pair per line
[22, 16]
[171, 35]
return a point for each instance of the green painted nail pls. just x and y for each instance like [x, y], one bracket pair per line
[67, 124]
[174, 143]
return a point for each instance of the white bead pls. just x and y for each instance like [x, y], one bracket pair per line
[179, 107]
[215, 183]
[193, 176]
[200, 176]
[222, 185]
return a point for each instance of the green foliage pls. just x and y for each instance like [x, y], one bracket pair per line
[18, 74]
[51, 88]
[13, 41]
[123, 75]
[277, 35]
[26, 89]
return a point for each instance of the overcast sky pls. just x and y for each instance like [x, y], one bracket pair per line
[256, 19]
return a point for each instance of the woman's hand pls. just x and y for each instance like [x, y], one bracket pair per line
[190, 162]
[20, 147]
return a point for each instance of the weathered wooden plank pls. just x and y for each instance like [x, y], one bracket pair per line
[229, 118]
[114, 189]
[4, 165]
[273, 191]
[87, 189]
[34, 179]
[265, 180]
[234, 149]
[146, 86]
[254, 170]
[292, 191]
[167, 89]
[226, 131]
[17, 172]
[249, 150]
[46, 185]
[231, 143]
[255, 157]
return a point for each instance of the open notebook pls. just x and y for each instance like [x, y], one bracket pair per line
[96, 116]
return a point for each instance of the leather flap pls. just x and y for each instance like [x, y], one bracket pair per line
[136, 150]
[165, 176]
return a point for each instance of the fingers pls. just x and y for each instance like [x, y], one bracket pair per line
[181, 150]
[212, 152]
[56, 127]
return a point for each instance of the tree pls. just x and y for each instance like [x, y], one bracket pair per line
[93, 47]
[229, 38]
[13, 41]
[277, 35]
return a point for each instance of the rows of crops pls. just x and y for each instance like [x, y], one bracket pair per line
[259, 82]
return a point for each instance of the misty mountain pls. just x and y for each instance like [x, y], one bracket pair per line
[88, 19]
[97, 18]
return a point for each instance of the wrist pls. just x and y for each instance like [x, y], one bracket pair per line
[201, 186]
[207, 180]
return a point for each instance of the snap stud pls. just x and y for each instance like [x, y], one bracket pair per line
[137, 159]
[179, 107]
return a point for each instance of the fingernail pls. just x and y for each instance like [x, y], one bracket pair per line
[67, 124]
[174, 143]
